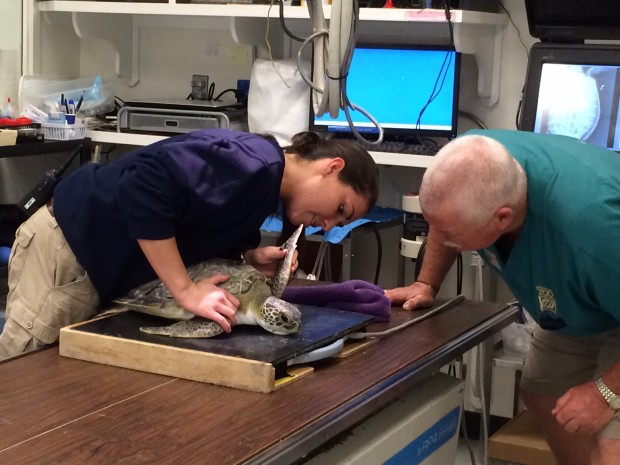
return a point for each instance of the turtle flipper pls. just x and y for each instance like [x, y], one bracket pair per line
[196, 327]
[283, 271]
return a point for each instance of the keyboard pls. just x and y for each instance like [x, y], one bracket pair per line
[403, 147]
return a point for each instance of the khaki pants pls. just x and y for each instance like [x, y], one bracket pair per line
[48, 288]
[556, 362]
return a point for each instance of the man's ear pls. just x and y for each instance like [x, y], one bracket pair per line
[335, 165]
[505, 217]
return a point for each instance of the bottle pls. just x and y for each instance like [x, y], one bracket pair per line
[7, 109]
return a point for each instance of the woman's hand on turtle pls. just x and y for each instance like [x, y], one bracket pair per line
[266, 259]
[204, 298]
[413, 297]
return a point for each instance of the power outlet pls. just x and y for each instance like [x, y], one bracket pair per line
[200, 85]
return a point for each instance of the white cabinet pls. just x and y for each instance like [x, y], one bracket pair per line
[55, 28]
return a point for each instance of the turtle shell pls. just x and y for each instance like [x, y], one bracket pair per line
[242, 276]
[245, 282]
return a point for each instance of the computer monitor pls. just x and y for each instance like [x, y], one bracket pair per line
[573, 20]
[573, 90]
[412, 92]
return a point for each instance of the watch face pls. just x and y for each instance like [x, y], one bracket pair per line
[615, 403]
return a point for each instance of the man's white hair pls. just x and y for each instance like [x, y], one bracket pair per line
[475, 175]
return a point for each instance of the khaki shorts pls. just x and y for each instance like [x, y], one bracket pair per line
[556, 362]
[48, 288]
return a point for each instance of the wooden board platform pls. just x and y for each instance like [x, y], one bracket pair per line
[248, 358]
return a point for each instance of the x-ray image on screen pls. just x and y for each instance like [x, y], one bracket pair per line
[579, 101]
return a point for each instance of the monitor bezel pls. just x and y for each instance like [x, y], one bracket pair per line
[403, 133]
[569, 54]
[562, 21]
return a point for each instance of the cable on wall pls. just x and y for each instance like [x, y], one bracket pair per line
[441, 76]
[333, 51]
[374, 229]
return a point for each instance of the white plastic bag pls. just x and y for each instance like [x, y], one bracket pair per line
[279, 99]
[516, 336]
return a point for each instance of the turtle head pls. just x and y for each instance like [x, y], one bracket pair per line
[279, 317]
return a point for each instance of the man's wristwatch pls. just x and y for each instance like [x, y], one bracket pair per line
[613, 399]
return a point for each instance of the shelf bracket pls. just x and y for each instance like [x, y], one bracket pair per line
[484, 42]
[251, 31]
[121, 32]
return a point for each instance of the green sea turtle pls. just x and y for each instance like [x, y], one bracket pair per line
[259, 298]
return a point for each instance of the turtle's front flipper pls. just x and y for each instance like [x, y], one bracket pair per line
[283, 271]
[196, 327]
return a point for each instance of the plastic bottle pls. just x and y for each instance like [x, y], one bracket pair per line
[7, 109]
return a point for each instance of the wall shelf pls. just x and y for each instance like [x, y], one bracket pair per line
[476, 33]
[119, 23]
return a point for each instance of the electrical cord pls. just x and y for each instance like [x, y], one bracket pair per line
[211, 91]
[449, 304]
[441, 76]
[485, 424]
[519, 107]
[465, 434]
[333, 51]
[516, 28]
[448, 13]
[374, 229]
[106, 153]
[286, 30]
[218, 96]
[474, 118]
[328, 265]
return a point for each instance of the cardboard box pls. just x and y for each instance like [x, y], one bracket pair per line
[521, 441]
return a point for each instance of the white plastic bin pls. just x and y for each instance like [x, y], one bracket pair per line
[64, 131]
[44, 92]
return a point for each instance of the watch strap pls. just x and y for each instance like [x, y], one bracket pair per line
[607, 393]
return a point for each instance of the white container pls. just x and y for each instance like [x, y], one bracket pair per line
[63, 131]
[44, 93]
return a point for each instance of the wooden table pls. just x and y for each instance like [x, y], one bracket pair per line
[55, 410]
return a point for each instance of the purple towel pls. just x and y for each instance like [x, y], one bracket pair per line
[353, 296]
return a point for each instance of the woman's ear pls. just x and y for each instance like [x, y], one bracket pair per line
[334, 165]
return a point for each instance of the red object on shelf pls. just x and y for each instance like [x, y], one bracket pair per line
[388, 4]
[15, 123]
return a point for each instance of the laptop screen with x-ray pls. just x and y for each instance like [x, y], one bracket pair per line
[574, 90]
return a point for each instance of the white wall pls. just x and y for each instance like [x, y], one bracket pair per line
[513, 67]
[10, 49]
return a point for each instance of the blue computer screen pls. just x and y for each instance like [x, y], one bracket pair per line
[405, 88]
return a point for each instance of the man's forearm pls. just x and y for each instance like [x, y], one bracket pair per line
[438, 260]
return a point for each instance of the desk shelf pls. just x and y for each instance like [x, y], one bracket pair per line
[381, 158]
